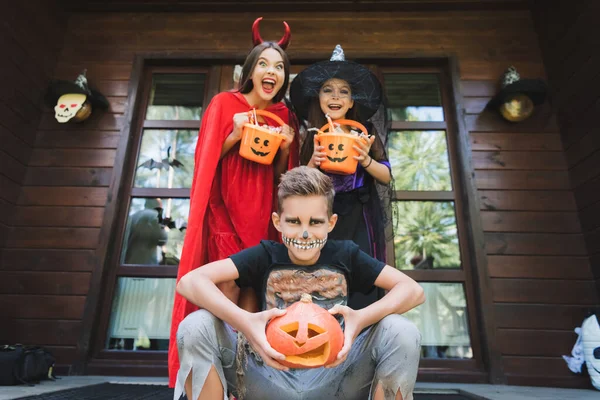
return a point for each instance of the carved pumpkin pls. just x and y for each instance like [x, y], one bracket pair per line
[260, 144]
[338, 148]
[308, 335]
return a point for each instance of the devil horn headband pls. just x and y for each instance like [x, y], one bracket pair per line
[283, 43]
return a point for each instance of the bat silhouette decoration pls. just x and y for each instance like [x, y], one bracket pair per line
[169, 223]
[165, 163]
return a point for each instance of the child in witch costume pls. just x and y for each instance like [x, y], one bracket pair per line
[232, 198]
[380, 354]
[344, 89]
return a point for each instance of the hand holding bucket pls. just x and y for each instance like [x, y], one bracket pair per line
[339, 148]
[260, 144]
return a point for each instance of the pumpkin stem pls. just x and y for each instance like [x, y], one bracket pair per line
[306, 298]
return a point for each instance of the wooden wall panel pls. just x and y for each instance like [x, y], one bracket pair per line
[529, 214]
[31, 36]
[574, 77]
[539, 316]
[47, 260]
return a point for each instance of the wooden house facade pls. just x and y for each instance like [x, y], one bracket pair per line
[524, 197]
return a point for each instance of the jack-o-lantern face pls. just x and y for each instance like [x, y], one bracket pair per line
[262, 144]
[308, 335]
[68, 106]
[334, 150]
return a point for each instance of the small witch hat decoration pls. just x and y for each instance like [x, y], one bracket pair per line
[74, 100]
[517, 96]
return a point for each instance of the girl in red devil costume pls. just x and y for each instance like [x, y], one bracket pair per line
[232, 198]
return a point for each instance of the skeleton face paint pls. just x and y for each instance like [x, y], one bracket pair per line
[303, 244]
[304, 224]
[68, 105]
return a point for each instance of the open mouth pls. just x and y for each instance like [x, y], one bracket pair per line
[268, 85]
[304, 245]
[335, 107]
[259, 153]
[337, 159]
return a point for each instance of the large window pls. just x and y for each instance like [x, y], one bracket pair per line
[156, 210]
[427, 242]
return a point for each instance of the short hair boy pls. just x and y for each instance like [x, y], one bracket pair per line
[381, 349]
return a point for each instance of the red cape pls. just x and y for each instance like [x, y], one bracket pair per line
[237, 182]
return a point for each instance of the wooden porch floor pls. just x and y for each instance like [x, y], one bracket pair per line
[491, 392]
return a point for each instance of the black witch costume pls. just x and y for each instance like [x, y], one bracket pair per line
[357, 197]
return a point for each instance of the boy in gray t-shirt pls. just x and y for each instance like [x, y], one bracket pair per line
[380, 356]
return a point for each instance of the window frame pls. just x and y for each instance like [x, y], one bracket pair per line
[465, 274]
[116, 269]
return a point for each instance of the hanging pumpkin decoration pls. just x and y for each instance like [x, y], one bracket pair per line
[308, 335]
[74, 101]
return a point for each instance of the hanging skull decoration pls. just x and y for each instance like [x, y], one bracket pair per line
[69, 105]
[74, 101]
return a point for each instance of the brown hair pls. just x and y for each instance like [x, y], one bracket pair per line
[306, 181]
[246, 84]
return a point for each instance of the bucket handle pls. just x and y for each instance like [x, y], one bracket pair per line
[349, 122]
[264, 113]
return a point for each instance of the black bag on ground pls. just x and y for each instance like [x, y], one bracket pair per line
[25, 364]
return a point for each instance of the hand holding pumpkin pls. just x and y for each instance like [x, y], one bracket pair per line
[239, 120]
[318, 155]
[254, 330]
[363, 148]
[288, 137]
[352, 327]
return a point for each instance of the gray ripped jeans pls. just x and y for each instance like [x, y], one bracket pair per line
[387, 352]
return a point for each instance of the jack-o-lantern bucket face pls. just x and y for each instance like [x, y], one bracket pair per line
[308, 335]
[258, 143]
[339, 148]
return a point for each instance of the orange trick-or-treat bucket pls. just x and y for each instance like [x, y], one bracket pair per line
[259, 143]
[338, 148]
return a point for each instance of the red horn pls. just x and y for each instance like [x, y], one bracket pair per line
[285, 40]
[256, 39]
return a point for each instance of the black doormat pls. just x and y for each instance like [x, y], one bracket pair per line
[117, 391]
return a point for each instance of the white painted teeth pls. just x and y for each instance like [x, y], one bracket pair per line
[304, 245]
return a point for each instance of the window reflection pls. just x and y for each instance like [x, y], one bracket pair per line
[419, 160]
[443, 321]
[155, 231]
[141, 314]
[414, 97]
[166, 159]
[176, 97]
[425, 235]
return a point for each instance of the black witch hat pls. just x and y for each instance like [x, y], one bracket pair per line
[512, 84]
[365, 87]
[58, 88]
